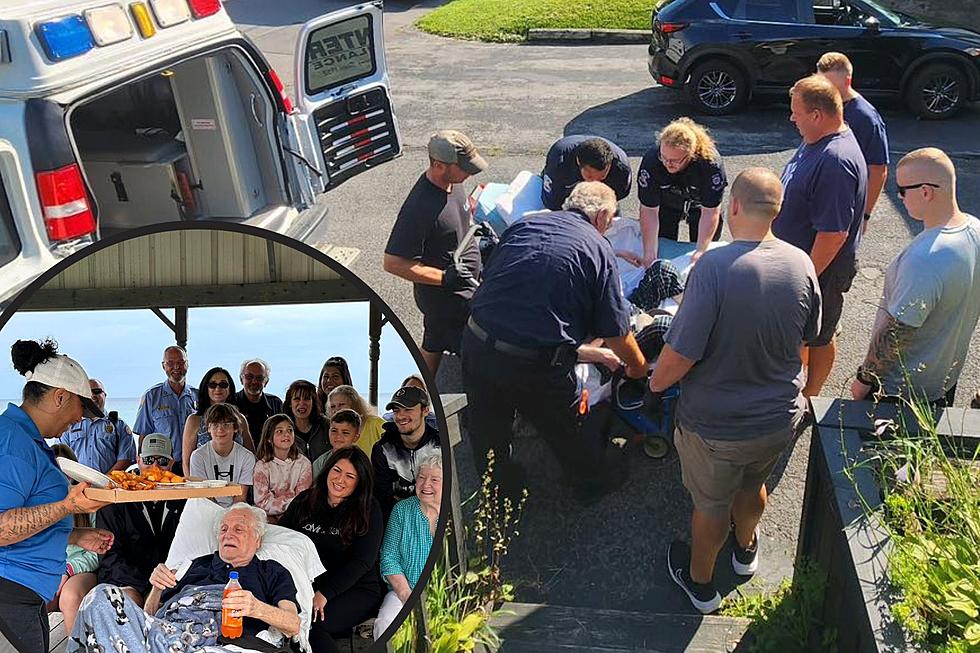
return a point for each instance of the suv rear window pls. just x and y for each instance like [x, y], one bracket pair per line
[9, 241]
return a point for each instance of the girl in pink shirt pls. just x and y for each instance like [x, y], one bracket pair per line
[281, 471]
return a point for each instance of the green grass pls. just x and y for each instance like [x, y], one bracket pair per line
[783, 619]
[509, 20]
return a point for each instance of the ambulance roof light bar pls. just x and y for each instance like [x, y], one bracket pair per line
[64, 38]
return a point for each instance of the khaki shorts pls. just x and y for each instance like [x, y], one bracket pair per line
[713, 471]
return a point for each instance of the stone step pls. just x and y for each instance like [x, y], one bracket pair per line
[539, 628]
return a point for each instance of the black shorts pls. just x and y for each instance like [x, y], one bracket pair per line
[833, 284]
[444, 316]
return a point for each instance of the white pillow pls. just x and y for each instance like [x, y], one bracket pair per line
[196, 536]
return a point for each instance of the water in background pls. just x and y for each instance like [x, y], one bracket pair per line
[128, 406]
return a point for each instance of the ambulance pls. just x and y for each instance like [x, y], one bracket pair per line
[119, 114]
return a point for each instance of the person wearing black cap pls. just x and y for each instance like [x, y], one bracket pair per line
[403, 442]
[36, 503]
[430, 226]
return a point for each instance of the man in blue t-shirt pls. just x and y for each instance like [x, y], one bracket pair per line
[583, 158]
[825, 189]
[866, 123]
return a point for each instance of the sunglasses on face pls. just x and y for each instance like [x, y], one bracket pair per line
[218, 384]
[903, 189]
[155, 460]
[97, 391]
[254, 377]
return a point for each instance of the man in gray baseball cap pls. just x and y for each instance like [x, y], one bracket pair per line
[430, 226]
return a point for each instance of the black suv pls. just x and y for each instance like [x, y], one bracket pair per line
[723, 51]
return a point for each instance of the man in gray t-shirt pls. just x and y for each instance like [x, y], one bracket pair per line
[735, 347]
[932, 291]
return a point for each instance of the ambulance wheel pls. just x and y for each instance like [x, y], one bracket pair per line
[656, 447]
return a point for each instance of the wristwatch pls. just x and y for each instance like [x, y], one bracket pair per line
[865, 377]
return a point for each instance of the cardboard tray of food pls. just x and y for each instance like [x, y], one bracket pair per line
[161, 493]
[154, 484]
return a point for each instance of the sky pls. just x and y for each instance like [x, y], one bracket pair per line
[124, 348]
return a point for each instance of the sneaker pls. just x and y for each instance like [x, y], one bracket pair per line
[704, 597]
[745, 562]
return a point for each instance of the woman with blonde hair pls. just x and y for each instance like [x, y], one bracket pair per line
[682, 177]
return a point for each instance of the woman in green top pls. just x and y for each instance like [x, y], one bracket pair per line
[408, 538]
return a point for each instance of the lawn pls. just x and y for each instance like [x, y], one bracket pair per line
[509, 20]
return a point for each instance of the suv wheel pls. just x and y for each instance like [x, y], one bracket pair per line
[936, 92]
[718, 88]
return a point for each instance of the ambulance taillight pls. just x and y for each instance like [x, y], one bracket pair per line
[202, 8]
[286, 102]
[64, 202]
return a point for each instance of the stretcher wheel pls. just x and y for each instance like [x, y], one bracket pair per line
[656, 447]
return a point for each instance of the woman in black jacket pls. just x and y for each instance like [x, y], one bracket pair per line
[342, 517]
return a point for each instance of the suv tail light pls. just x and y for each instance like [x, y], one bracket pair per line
[287, 103]
[670, 28]
[65, 205]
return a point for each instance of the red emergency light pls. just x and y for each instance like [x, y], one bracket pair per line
[286, 102]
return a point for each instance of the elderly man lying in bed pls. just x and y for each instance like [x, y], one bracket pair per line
[185, 615]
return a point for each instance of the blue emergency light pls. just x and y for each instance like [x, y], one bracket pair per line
[64, 38]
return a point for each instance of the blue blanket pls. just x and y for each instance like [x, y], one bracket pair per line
[109, 622]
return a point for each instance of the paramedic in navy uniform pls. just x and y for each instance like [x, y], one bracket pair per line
[550, 285]
[583, 158]
[680, 178]
[36, 505]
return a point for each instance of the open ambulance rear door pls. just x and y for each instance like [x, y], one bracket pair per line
[345, 124]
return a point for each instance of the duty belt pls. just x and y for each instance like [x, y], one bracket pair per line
[551, 355]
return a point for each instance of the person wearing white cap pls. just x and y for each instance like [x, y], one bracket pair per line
[36, 503]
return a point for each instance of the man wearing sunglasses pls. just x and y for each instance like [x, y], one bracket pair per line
[931, 301]
[144, 531]
[104, 443]
[252, 400]
[825, 190]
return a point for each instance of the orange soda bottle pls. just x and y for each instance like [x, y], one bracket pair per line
[231, 626]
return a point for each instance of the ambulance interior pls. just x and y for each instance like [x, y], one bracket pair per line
[197, 140]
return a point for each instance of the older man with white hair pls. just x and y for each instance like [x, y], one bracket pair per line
[252, 400]
[551, 285]
[267, 598]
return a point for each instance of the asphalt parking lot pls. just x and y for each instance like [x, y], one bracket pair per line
[514, 101]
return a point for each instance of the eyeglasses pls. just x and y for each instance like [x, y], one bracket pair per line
[222, 425]
[218, 384]
[673, 162]
[902, 189]
[248, 376]
[98, 391]
[155, 460]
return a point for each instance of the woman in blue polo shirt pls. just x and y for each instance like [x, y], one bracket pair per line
[36, 503]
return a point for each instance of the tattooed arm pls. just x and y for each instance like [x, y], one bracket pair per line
[888, 344]
[18, 524]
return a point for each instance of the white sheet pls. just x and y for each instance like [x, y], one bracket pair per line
[196, 537]
[624, 235]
